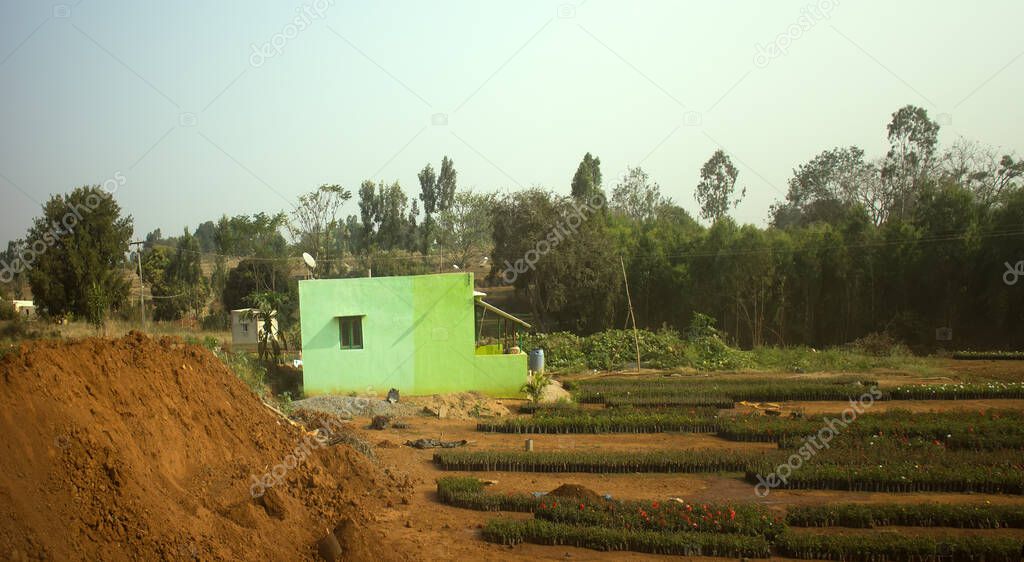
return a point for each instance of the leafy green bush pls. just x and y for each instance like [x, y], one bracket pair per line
[535, 386]
[713, 354]
[610, 349]
[703, 326]
[879, 344]
[562, 350]
[246, 367]
[209, 342]
[598, 538]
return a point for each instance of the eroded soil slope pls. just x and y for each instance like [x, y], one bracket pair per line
[143, 449]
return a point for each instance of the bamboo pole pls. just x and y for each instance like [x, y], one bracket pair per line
[636, 335]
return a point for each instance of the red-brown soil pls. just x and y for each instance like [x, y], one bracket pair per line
[1008, 371]
[142, 449]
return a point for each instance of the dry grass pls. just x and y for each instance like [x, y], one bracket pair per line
[117, 328]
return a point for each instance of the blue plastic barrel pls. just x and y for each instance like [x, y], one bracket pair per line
[536, 360]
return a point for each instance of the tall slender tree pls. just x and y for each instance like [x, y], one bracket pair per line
[716, 187]
[587, 180]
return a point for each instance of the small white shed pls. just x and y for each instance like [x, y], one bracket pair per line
[246, 329]
[25, 309]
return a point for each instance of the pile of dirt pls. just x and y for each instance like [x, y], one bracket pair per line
[555, 392]
[142, 449]
[575, 491]
[459, 406]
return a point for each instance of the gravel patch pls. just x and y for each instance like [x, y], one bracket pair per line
[348, 407]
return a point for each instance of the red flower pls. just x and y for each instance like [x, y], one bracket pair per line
[581, 507]
[654, 505]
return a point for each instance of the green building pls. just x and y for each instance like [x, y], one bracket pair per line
[416, 334]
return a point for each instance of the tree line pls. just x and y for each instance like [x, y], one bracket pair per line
[916, 239]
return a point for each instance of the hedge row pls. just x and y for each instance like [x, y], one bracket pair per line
[839, 388]
[613, 421]
[992, 429]
[694, 461]
[867, 516]
[990, 355]
[665, 516]
[959, 391]
[895, 479]
[680, 401]
[549, 407]
[619, 384]
[599, 391]
[951, 441]
[889, 465]
[468, 493]
[651, 542]
[885, 546]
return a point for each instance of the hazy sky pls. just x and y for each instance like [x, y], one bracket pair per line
[173, 96]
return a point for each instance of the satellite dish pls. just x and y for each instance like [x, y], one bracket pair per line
[309, 260]
[310, 263]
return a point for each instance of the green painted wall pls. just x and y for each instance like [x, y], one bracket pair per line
[418, 337]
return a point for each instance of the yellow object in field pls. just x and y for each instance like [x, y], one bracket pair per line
[774, 406]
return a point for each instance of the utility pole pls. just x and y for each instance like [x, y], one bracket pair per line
[142, 296]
